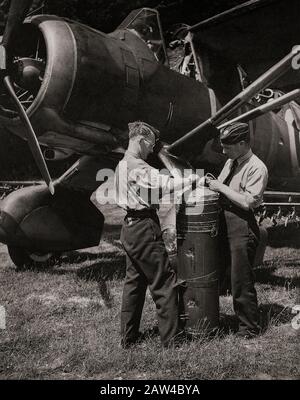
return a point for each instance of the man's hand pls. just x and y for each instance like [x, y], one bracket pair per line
[239, 199]
[201, 181]
[214, 185]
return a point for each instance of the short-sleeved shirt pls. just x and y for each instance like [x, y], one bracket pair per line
[250, 178]
[138, 186]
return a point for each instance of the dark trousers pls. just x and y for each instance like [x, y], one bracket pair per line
[147, 264]
[239, 236]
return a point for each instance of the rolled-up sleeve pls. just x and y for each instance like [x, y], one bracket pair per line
[256, 185]
[160, 184]
[150, 178]
[149, 183]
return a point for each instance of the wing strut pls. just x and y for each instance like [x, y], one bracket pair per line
[260, 110]
[240, 99]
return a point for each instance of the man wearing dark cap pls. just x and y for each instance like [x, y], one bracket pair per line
[138, 187]
[241, 183]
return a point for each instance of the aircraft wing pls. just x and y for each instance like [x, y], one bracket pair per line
[255, 35]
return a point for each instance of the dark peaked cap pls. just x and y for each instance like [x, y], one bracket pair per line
[234, 133]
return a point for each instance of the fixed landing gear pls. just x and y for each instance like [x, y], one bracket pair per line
[23, 258]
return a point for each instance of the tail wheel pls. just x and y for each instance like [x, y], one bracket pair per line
[24, 258]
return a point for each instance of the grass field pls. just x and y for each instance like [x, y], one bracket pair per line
[63, 322]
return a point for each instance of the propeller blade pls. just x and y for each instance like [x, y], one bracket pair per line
[16, 15]
[31, 137]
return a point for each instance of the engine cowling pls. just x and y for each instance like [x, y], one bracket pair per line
[84, 86]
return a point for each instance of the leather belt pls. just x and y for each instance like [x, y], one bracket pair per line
[145, 213]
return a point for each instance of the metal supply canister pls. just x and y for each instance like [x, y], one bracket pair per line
[198, 261]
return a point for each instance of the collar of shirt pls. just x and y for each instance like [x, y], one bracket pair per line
[242, 159]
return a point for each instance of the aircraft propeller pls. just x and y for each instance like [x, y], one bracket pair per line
[28, 72]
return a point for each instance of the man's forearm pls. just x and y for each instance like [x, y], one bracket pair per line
[237, 198]
[179, 183]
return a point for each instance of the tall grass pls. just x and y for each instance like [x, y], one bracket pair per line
[63, 323]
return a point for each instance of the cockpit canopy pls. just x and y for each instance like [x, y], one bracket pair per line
[145, 23]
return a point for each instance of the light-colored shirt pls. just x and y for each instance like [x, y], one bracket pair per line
[250, 178]
[138, 185]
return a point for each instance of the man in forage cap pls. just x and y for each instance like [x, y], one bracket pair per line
[137, 190]
[241, 184]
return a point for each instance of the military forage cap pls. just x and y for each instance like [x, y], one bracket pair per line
[234, 133]
[143, 129]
